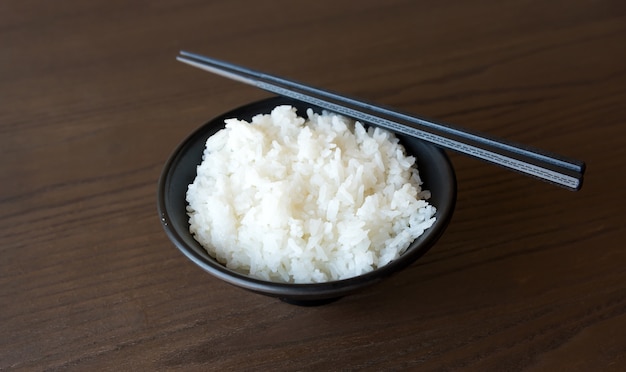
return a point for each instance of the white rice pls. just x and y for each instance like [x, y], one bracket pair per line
[286, 199]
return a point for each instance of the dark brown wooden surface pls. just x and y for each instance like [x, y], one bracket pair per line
[527, 277]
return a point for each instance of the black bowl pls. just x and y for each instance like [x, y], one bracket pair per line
[180, 170]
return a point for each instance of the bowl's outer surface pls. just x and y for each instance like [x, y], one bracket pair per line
[179, 171]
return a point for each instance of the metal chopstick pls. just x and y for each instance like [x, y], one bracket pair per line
[546, 166]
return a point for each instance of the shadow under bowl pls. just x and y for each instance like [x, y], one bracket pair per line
[179, 171]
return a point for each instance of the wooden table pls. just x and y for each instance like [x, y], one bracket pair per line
[92, 102]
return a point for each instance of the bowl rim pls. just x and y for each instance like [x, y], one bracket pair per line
[294, 290]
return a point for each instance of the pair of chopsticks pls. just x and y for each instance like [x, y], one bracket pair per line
[555, 169]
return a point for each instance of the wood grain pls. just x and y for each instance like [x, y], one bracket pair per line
[92, 102]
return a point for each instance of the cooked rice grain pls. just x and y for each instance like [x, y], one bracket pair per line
[292, 200]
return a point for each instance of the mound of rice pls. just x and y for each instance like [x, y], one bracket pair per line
[286, 199]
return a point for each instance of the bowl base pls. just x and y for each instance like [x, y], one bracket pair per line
[309, 303]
